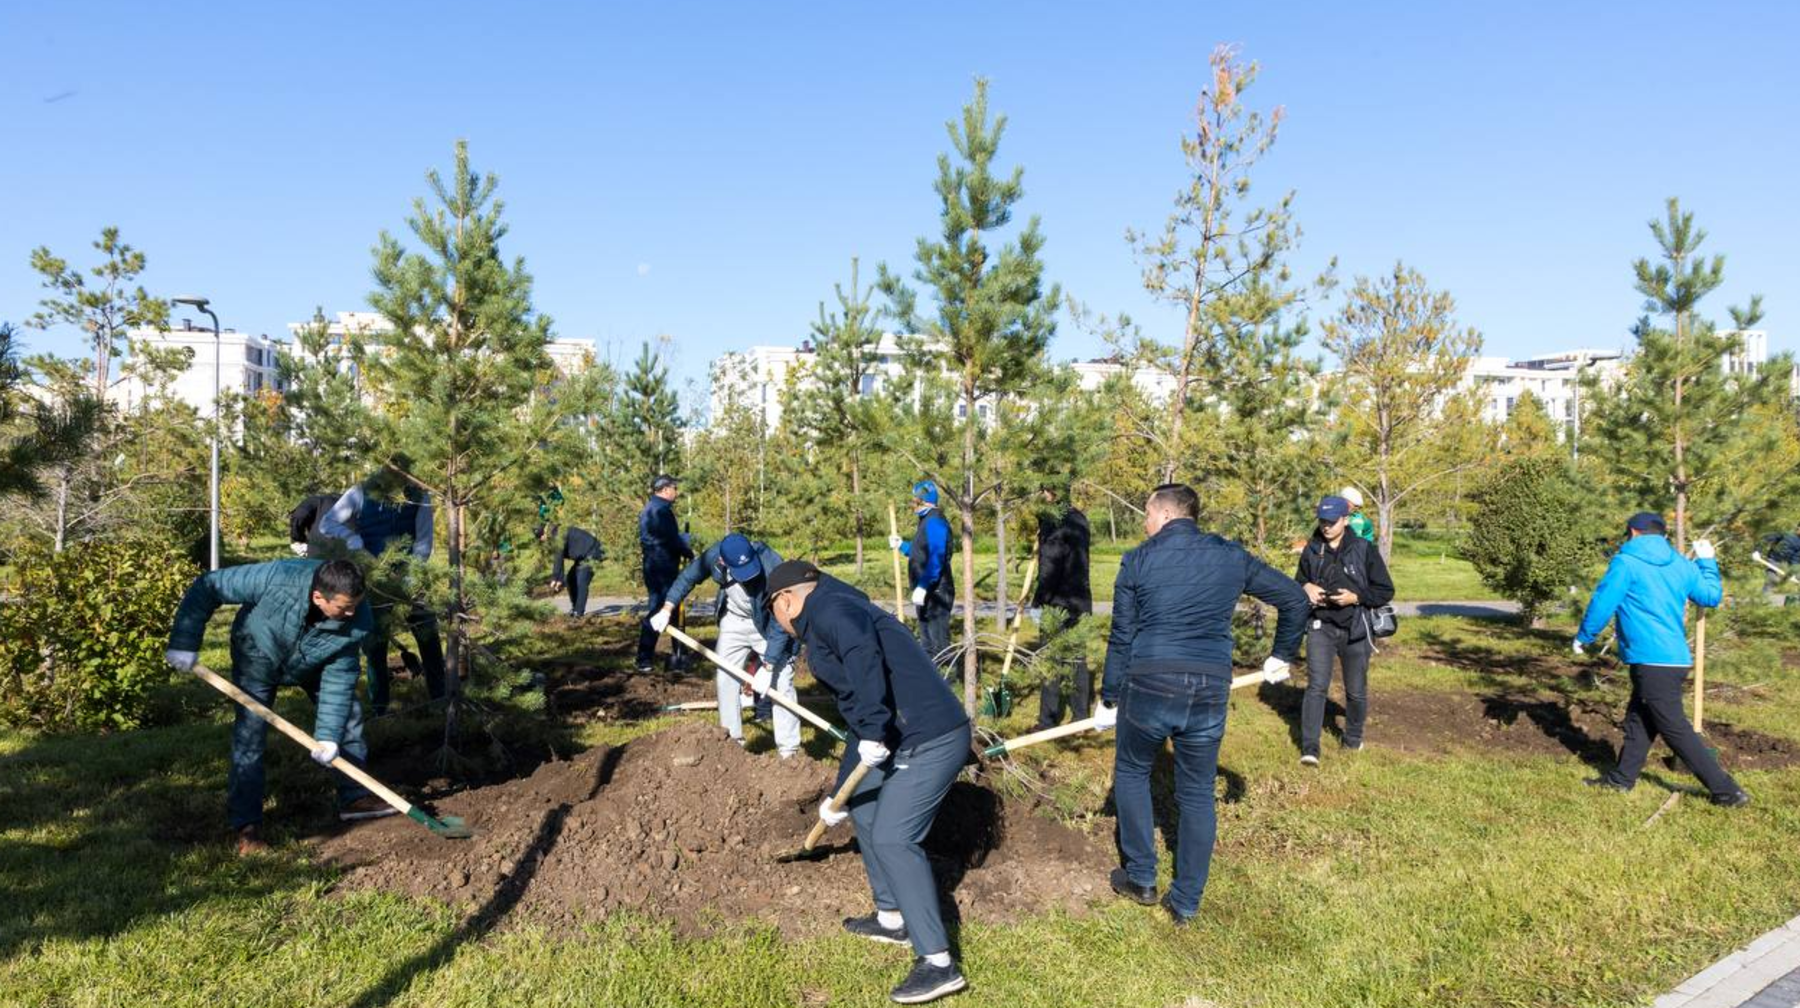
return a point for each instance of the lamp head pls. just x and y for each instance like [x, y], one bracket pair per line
[197, 302]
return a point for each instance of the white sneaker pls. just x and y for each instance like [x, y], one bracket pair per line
[1309, 760]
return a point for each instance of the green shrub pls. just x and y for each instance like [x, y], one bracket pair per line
[1526, 540]
[82, 633]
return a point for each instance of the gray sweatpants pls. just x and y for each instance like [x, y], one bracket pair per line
[893, 809]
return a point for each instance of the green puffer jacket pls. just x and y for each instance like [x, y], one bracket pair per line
[270, 641]
[1362, 526]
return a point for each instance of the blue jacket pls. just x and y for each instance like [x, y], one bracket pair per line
[271, 641]
[1174, 599]
[778, 648]
[928, 556]
[886, 686]
[1648, 586]
[660, 536]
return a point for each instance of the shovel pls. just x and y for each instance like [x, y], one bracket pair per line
[838, 801]
[793, 708]
[899, 592]
[1087, 724]
[448, 827]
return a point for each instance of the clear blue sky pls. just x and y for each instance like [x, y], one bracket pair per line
[708, 170]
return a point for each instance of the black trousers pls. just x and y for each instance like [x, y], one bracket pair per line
[580, 576]
[934, 625]
[1050, 702]
[657, 581]
[1655, 710]
[1325, 642]
[424, 626]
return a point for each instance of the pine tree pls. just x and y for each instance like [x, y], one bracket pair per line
[648, 416]
[1528, 547]
[1528, 431]
[35, 435]
[106, 309]
[993, 319]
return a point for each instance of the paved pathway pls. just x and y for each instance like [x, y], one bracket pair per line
[615, 605]
[1762, 974]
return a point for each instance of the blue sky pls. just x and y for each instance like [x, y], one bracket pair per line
[707, 170]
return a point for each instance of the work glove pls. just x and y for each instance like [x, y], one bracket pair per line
[918, 596]
[871, 752]
[298, 548]
[1275, 670]
[1105, 716]
[830, 816]
[326, 752]
[1577, 648]
[181, 661]
[1036, 615]
[894, 542]
[762, 680]
[1703, 549]
[660, 621]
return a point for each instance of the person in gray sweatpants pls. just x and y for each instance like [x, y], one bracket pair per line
[910, 732]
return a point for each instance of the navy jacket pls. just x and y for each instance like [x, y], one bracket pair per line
[886, 687]
[1173, 602]
[660, 536]
[579, 545]
[778, 648]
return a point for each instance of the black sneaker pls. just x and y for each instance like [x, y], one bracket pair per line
[1180, 919]
[1736, 799]
[869, 926]
[928, 983]
[1605, 785]
[644, 668]
[1352, 746]
[1122, 884]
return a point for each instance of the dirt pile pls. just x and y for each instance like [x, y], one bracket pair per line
[685, 825]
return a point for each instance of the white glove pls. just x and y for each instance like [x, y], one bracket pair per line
[872, 753]
[298, 548]
[1036, 615]
[918, 596]
[762, 680]
[1703, 549]
[1105, 717]
[1275, 670]
[181, 661]
[830, 816]
[354, 544]
[894, 543]
[1577, 648]
[326, 752]
[660, 621]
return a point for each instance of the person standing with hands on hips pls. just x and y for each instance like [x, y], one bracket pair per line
[911, 732]
[1343, 576]
[928, 566]
[1647, 586]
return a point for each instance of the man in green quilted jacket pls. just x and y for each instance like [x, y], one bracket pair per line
[299, 623]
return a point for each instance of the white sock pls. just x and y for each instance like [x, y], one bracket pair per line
[939, 959]
[889, 918]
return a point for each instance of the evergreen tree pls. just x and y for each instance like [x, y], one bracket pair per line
[1401, 356]
[34, 435]
[648, 417]
[106, 309]
[1529, 546]
[993, 320]
[1528, 431]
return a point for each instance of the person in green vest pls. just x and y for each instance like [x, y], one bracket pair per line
[1360, 524]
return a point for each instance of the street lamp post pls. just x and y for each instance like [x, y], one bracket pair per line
[218, 352]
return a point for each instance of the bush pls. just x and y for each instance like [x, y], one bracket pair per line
[1527, 542]
[82, 633]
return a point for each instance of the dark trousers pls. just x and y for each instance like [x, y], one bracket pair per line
[244, 783]
[656, 581]
[1325, 642]
[580, 576]
[1050, 702]
[1655, 710]
[934, 625]
[423, 624]
[1189, 708]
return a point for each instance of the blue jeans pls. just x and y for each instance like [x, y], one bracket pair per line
[1189, 708]
[250, 736]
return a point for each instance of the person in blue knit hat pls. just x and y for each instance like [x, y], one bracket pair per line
[928, 569]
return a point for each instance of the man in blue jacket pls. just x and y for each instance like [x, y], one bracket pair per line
[928, 568]
[1168, 670]
[1648, 586]
[910, 731]
[740, 568]
[665, 550]
[299, 623]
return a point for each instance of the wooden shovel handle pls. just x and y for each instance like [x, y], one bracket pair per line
[285, 727]
[899, 591]
[1085, 724]
[738, 674]
[837, 802]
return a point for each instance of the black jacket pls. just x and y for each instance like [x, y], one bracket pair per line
[1784, 547]
[1174, 599]
[1063, 562]
[886, 686]
[660, 536]
[1356, 564]
[577, 545]
[303, 521]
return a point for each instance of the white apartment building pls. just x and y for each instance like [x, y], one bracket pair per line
[246, 365]
[568, 356]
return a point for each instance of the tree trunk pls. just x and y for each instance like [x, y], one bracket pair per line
[1680, 481]
[62, 508]
[856, 509]
[1112, 525]
[971, 660]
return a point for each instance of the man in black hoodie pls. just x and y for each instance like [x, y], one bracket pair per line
[1063, 541]
[579, 548]
[1343, 576]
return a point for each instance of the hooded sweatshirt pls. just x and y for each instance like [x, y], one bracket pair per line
[1647, 586]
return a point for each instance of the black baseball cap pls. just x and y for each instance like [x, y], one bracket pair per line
[1647, 521]
[788, 575]
[663, 480]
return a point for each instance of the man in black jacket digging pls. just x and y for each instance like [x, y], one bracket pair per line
[912, 734]
[1343, 576]
[1063, 541]
[579, 549]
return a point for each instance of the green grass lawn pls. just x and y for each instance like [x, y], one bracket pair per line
[1465, 877]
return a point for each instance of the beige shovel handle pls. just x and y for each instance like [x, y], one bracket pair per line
[287, 728]
[837, 802]
[1086, 724]
[1012, 639]
[899, 591]
[738, 674]
[1700, 672]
